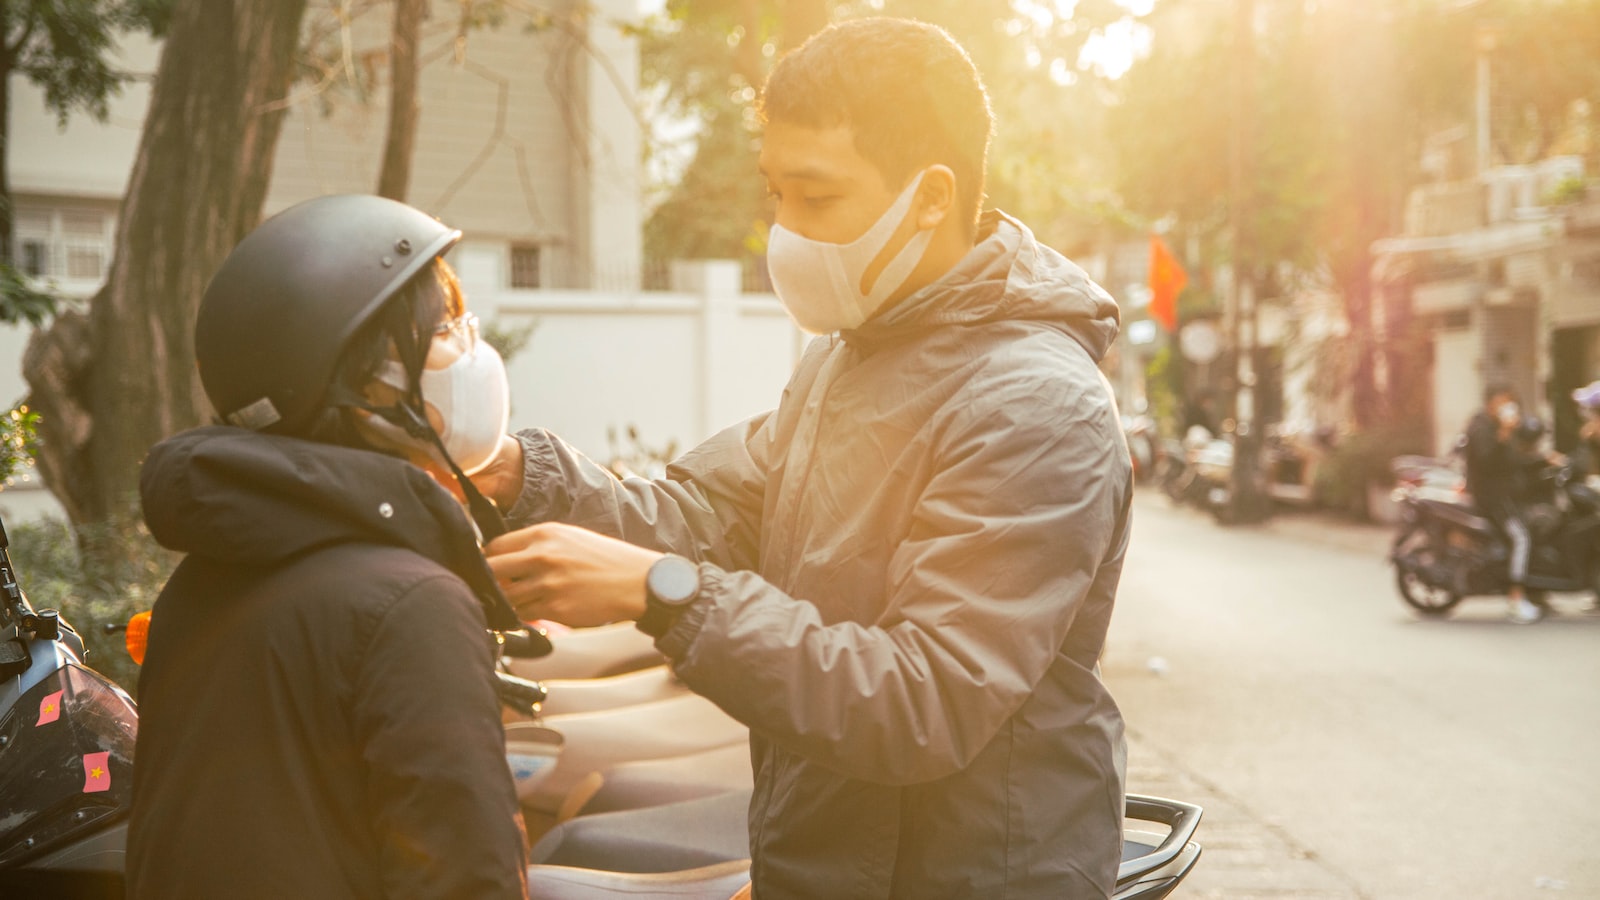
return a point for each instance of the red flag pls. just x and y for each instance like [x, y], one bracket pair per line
[96, 772]
[49, 709]
[1167, 279]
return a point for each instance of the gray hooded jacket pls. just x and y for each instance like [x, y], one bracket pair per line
[908, 570]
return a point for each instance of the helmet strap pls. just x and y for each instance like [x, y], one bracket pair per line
[408, 416]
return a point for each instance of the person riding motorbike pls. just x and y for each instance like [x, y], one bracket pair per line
[1498, 465]
[318, 717]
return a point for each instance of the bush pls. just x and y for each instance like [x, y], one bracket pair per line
[1362, 460]
[50, 570]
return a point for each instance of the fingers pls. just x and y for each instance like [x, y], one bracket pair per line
[570, 574]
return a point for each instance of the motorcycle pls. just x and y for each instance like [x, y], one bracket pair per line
[645, 810]
[706, 831]
[1446, 551]
[1143, 445]
[66, 755]
[1206, 477]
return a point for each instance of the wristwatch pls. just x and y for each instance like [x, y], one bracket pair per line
[670, 586]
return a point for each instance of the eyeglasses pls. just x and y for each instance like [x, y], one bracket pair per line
[462, 330]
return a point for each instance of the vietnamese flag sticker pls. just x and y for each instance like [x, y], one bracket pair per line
[96, 772]
[49, 709]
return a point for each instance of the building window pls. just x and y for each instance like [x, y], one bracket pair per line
[35, 256]
[74, 245]
[525, 266]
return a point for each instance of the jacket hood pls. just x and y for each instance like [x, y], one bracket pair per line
[245, 498]
[1008, 275]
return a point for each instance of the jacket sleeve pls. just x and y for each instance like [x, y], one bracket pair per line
[1027, 501]
[441, 800]
[707, 508]
[1486, 454]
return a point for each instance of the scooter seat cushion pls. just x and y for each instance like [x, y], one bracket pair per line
[1460, 516]
[667, 838]
[654, 782]
[716, 882]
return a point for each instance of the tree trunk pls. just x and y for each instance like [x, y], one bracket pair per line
[8, 214]
[111, 384]
[395, 178]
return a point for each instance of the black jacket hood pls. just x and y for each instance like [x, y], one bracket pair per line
[242, 497]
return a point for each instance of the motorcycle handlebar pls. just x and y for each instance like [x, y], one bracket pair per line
[530, 644]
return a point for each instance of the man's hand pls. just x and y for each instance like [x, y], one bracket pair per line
[571, 575]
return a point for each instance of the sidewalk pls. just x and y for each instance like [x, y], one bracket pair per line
[1243, 856]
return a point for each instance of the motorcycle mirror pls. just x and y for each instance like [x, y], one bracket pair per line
[138, 636]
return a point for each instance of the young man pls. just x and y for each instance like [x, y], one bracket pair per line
[317, 711]
[1495, 467]
[901, 578]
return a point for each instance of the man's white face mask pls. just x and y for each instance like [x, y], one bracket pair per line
[820, 283]
[471, 396]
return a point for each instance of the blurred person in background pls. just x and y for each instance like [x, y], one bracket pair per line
[1497, 463]
[1586, 456]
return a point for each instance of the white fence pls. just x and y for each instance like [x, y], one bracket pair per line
[676, 366]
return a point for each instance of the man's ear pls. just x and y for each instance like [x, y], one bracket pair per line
[936, 196]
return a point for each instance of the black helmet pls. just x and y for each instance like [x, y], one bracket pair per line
[277, 315]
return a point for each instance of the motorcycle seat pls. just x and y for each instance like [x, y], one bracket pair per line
[667, 838]
[592, 653]
[575, 695]
[714, 882]
[1460, 515]
[596, 741]
[653, 782]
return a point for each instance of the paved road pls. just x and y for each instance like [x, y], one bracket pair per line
[1343, 748]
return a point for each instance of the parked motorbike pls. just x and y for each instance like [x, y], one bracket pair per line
[1143, 445]
[66, 754]
[1207, 479]
[653, 812]
[1289, 462]
[1446, 551]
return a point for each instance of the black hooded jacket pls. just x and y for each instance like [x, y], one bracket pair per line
[317, 715]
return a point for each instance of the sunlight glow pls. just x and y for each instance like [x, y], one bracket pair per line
[1113, 51]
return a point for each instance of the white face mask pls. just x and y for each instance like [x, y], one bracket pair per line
[820, 283]
[473, 400]
[1507, 412]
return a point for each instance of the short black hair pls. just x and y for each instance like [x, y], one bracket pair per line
[1495, 388]
[907, 91]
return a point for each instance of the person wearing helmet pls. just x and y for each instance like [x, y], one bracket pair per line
[1586, 456]
[318, 716]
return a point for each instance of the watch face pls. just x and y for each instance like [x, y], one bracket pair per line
[674, 580]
